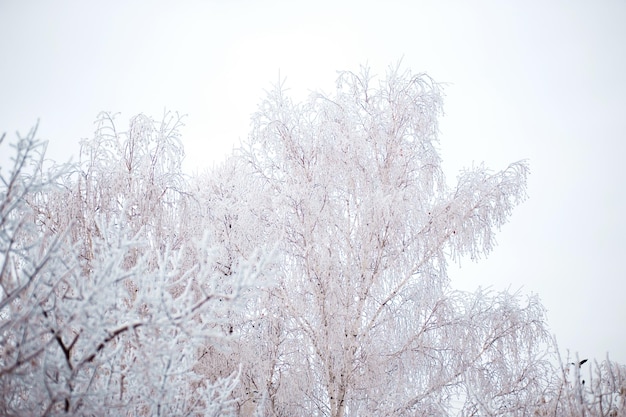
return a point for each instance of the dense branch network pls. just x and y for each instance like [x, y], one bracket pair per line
[306, 275]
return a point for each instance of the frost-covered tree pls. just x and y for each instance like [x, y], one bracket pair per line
[363, 320]
[110, 297]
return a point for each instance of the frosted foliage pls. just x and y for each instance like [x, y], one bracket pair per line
[134, 174]
[303, 276]
[108, 299]
[368, 322]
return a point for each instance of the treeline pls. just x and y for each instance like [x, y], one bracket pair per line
[306, 275]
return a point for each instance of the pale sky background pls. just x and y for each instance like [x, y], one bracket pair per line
[543, 80]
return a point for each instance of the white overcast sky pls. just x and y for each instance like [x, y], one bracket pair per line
[542, 80]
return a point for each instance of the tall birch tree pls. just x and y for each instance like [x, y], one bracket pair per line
[369, 322]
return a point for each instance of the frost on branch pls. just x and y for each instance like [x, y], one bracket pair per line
[481, 202]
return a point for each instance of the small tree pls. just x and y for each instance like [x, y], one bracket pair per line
[366, 321]
[109, 296]
[586, 388]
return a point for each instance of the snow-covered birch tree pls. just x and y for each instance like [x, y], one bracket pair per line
[370, 324]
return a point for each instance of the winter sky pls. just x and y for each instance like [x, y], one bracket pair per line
[539, 80]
